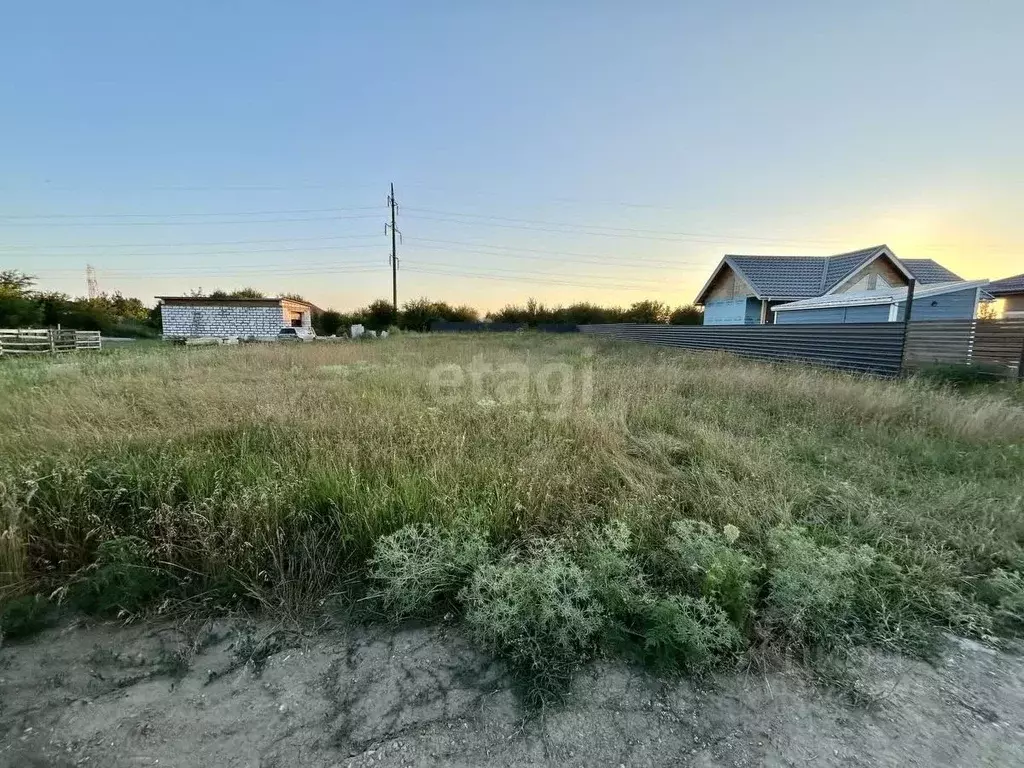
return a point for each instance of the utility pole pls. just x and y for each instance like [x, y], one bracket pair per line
[908, 308]
[395, 234]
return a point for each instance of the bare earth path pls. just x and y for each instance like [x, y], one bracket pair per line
[242, 694]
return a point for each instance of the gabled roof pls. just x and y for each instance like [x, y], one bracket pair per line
[800, 277]
[881, 296]
[794, 277]
[1006, 286]
[928, 271]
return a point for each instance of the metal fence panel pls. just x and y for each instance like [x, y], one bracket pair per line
[939, 341]
[445, 326]
[865, 347]
[999, 342]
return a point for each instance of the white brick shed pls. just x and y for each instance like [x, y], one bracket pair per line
[189, 317]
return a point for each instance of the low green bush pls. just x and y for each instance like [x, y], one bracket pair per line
[537, 611]
[25, 616]
[1005, 590]
[420, 568]
[123, 578]
[687, 633]
[704, 561]
[960, 376]
[812, 588]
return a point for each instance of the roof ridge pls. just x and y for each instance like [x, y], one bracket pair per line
[823, 283]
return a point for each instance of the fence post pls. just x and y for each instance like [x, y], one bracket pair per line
[906, 322]
[1020, 363]
[53, 341]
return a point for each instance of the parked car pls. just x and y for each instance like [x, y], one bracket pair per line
[296, 334]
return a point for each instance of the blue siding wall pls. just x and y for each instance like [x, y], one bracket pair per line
[959, 305]
[744, 311]
[874, 313]
[823, 315]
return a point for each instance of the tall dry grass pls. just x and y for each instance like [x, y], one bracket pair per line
[268, 472]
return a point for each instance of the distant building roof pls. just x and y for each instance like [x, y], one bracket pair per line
[880, 296]
[1006, 286]
[263, 301]
[799, 277]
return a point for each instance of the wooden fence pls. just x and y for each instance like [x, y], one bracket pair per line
[46, 341]
[967, 342]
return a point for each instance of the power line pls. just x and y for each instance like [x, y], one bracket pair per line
[5, 217]
[518, 252]
[472, 275]
[244, 267]
[188, 223]
[300, 249]
[320, 268]
[326, 269]
[185, 244]
[599, 230]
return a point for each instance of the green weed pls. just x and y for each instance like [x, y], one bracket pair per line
[538, 612]
[418, 569]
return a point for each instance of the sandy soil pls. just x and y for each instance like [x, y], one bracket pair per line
[235, 693]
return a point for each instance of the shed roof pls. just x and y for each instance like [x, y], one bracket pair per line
[268, 301]
[1006, 286]
[881, 296]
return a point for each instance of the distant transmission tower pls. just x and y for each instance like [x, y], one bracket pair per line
[90, 281]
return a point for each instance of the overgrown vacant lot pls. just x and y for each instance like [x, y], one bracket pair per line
[575, 498]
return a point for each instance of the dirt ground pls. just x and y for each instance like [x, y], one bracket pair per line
[239, 693]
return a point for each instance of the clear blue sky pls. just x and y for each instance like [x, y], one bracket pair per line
[522, 139]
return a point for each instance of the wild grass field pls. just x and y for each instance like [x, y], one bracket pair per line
[562, 497]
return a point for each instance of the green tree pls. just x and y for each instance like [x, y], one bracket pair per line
[690, 314]
[18, 307]
[328, 322]
[380, 315]
[647, 311]
[15, 282]
[418, 314]
[240, 293]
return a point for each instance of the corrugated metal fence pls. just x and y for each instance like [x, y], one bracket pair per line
[997, 343]
[446, 326]
[868, 347]
[876, 348]
[865, 347]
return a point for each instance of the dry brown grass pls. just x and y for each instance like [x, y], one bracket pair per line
[271, 470]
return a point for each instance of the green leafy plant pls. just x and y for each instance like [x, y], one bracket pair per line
[25, 616]
[1005, 589]
[419, 568]
[538, 612]
[707, 562]
[961, 376]
[123, 578]
[812, 588]
[687, 633]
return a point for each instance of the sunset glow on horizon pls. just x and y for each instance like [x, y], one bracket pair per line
[536, 152]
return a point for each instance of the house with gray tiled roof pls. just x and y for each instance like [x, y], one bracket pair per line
[1011, 291]
[746, 290]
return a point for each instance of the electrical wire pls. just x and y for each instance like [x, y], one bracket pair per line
[188, 223]
[185, 244]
